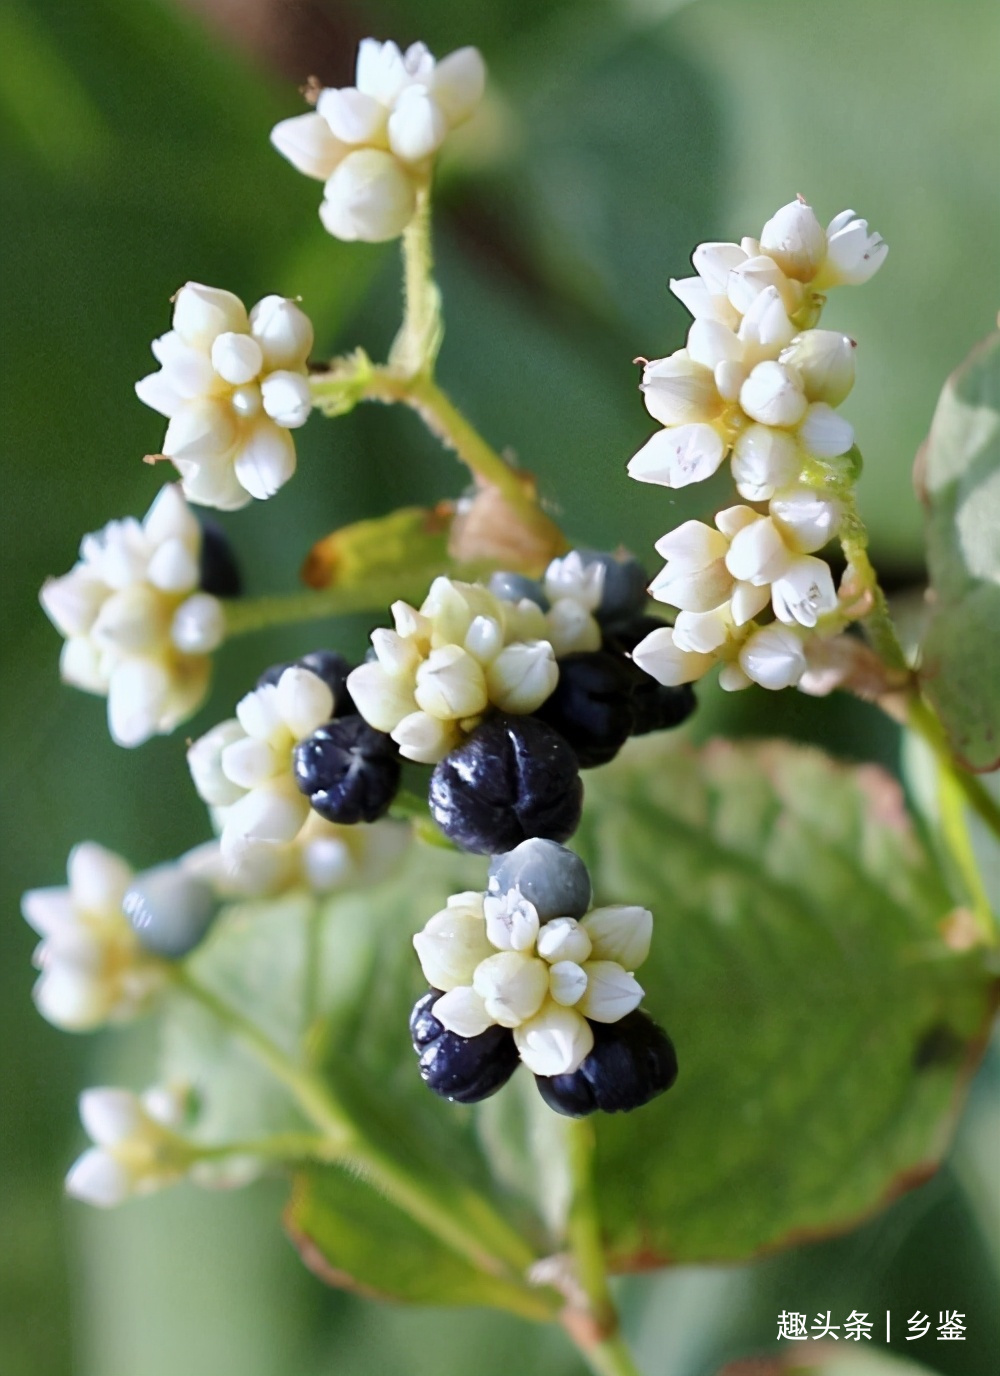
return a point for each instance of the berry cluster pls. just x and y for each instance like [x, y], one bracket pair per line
[528, 971]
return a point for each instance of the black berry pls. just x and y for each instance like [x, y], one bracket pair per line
[219, 573]
[514, 777]
[622, 638]
[590, 706]
[463, 1069]
[348, 770]
[632, 1062]
[656, 707]
[624, 592]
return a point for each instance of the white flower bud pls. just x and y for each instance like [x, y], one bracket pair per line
[259, 713]
[824, 360]
[766, 327]
[381, 698]
[853, 255]
[773, 657]
[450, 947]
[522, 676]
[353, 116]
[567, 982]
[173, 567]
[710, 343]
[304, 701]
[524, 620]
[796, 240]
[202, 313]
[757, 274]
[286, 398]
[611, 992]
[170, 518]
[555, 1042]
[138, 693]
[463, 1012]
[265, 460]
[773, 395]
[804, 593]
[248, 762]
[703, 304]
[73, 601]
[417, 125]
[81, 664]
[679, 455]
[458, 83]
[732, 678]
[484, 638]
[369, 197]
[764, 460]
[573, 576]
[563, 938]
[309, 144]
[450, 684]
[511, 921]
[679, 391]
[204, 759]
[704, 632]
[396, 655]
[199, 625]
[425, 739]
[512, 986]
[658, 656]
[283, 331]
[110, 1115]
[698, 590]
[98, 1178]
[201, 430]
[758, 553]
[713, 262]
[237, 358]
[132, 621]
[570, 628]
[692, 546]
[97, 878]
[806, 520]
[746, 601]
[824, 433]
[621, 933]
[273, 811]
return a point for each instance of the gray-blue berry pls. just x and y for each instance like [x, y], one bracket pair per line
[553, 879]
[514, 587]
[170, 911]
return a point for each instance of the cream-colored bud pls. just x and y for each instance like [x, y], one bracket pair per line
[556, 1041]
[824, 360]
[511, 921]
[522, 676]
[795, 239]
[450, 947]
[620, 933]
[425, 739]
[570, 628]
[773, 395]
[381, 698]
[563, 938]
[567, 982]
[512, 986]
[463, 1012]
[611, 992]
[450, 684]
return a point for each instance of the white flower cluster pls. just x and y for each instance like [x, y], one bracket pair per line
[232, 386]
[323, 858]
[242, 767]
[467, 650]
[137, 629]
[756, 382]
[136, 1150]
[372, 143]
[495, 963]
[93, 967]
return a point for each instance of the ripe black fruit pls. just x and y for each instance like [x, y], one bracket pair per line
[590, 706]
[633, 1061]
[348, 770]
[219, 573]
[514, 777]
[463, 1069]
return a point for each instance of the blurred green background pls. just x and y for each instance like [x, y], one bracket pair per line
[618, 134]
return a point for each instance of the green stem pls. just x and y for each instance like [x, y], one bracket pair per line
[245, 615]
[596, 1330]
[924, 722]
[415, 347]
[877, 622]
[283, 1147]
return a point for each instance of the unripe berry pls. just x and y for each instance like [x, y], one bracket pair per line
[348, 771]
[169, 911]
[632, 1062]
[512, 778]
[553, 879]
[462, 1069]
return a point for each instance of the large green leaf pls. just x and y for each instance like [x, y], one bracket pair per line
[959, 472]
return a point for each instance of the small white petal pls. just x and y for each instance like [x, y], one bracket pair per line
[382, 698]
[380, 71]
[170, 518]
[201, 430]
[773, 657]
[755, 275]
[286, 398]
[397, 655]
[620, 933]
[806, 520]
[463, 1012]
[214, 483]
[824, 433]
[199, 625]
[512, 986]
[369, 197]
[747, 600]
[564, 938]
[484, 639]
[678, 456]
[425, 739]
[132, 621]
[732, 678]
[309, 144]
[202, 313]
[111, 1115]
[567, 982]
[259, 713]
[611, 992]
[853, 254]
[204, 759]
[173, 567]
[511, 921]
[679, 391]
[237, 358]
[157, 391]
[81, 663]
[73, 601]
[248, 762]
[765, 328]
[570, 628]
[795, 239]
[758, 553]
[773, 395]
[417, 125]
[265, 460]
[283, 331]
[70, 998]
[576, 577]
[137, 696]
[304, 701]
[98, 878]
[804, 593]
[48, 911]
[704, 632]
[824, 360]
[353, 116]
[695, 296]
[458, 84]
[522, 676]
[450, 684]
[274, 811]
[99, 1178]
[692, 546]
[710, 343]
[450, 947]
[657, 656]
[764, 460]
[555, 1042]
[713, 263]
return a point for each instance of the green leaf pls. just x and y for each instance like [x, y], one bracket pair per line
[402, 543]
[826, 1361]
[959, 473]
[821, 1022]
